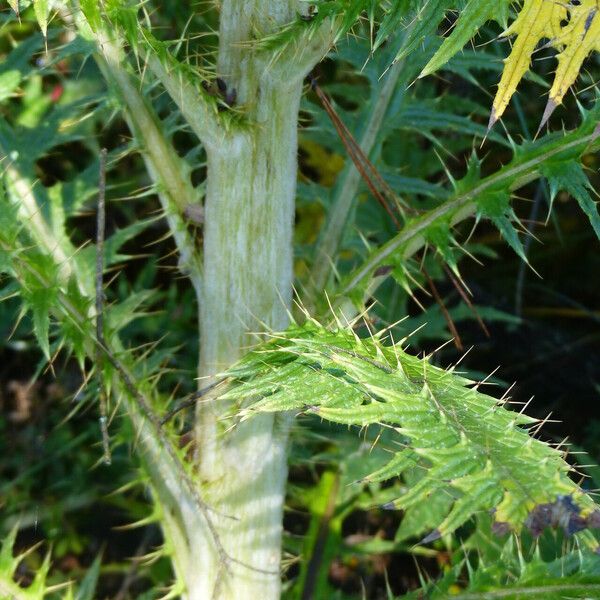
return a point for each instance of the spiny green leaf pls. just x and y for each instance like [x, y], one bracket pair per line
[425, 21]
[510, 575]
[475, 14]
[393, 19]
[68, 329]
[395, 467]
[8, 563]
[41, 302]
[570, 177]
[39, 290]
[467, 445]
[496, 207]
[127, 311]
[350, 15]
[120, 237]
[423, 518]
[440, 236]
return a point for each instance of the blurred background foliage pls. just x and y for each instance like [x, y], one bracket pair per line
[543, 330]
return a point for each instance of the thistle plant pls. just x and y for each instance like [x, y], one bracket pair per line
[264, 359]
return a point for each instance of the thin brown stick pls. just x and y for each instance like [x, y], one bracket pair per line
[463, 294]
[100, 232]
[356, 155]
[355, 152]
[371, 175]
[360, 159]
[457, 341]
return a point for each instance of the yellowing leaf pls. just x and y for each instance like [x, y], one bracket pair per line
[14, 4]
[42, 10]
[580, 37]
[537, 20]
[572, 28]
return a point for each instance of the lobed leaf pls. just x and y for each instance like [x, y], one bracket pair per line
[469, 448]
[538, 19]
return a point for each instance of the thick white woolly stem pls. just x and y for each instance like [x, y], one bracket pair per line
[247, 287]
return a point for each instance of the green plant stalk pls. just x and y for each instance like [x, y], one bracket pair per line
[169, 174]
[463, 206]
[247, 288]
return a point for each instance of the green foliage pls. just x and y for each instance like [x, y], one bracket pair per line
[472, 18]
[569, 176]
[8, 568]
[488, 197]
[471, 449]
[507, 570]
[438, 449]
[40, 587]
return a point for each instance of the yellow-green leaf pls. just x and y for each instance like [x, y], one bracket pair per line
[573, 29]
[14, 4]
[579, 38]
[42, 10]
[537, 20]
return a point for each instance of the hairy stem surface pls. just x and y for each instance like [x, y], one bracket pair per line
[247, 288]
